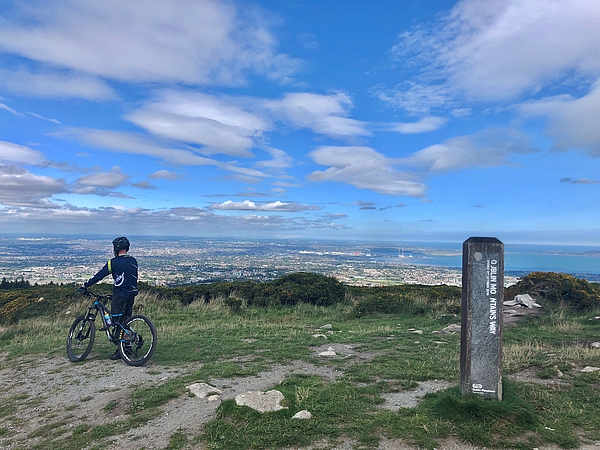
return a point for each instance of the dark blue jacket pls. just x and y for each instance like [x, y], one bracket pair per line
[124, 270]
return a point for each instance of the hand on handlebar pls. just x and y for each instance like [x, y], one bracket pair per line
[82, 290]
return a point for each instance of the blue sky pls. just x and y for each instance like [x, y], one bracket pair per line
[382, 120]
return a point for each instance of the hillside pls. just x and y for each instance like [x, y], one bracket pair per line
[386, 348]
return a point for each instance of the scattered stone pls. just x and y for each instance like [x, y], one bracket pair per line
[453, 328]
[214, 398]
[522, 300]
[329, 353]
[417, 332]
[319, 336]
[304, 414]
[327, 327]
[203, 390]
[261, 401]
[589, 369]
[595, 345]
[249, 341]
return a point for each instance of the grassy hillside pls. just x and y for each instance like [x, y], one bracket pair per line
[394, 332]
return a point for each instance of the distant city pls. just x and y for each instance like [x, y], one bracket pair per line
[178, 261]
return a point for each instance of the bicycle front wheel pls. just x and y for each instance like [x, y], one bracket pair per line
[137, 341]
[81, 338]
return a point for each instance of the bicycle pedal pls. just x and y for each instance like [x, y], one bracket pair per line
[103, 329]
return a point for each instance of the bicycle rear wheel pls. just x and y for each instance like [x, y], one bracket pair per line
[81, 338]
[137, 341]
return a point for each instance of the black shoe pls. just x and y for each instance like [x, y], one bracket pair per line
[116, 355]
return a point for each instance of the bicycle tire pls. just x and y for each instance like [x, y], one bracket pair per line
[81, 338]
[137, 341]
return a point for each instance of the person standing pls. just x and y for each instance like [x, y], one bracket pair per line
[124, 270]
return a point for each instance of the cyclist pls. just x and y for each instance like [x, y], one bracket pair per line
[124, 270]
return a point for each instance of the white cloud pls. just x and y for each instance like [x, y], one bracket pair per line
[323, 114]
[9, 109]
[14, 153]
[193, 42]
[573, 122]
[19, 187]
[218, 124]
[487, 50]
[424, 125]
[111, 179]
[365, 168]
[416, 98]
[280, 160]
[234, 125]
[186, 220]
[488, 148]
[164, 175]
[119, 141]
[248, 205]
[60, 85]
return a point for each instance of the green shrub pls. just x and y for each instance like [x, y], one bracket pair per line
[409, 298]
[301, 287]
[557, 289]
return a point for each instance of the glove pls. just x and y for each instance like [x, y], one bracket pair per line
[82, 290]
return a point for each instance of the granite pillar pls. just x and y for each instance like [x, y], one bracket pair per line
[481, 317]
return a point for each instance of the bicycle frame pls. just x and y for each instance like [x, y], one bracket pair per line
[98, 307]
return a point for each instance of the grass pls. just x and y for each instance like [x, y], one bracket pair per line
[204, 341]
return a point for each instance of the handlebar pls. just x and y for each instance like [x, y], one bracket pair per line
[88, 293]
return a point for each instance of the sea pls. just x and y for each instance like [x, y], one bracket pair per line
[519, 259]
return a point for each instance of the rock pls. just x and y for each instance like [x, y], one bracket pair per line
[522, 300]
[203, 390]
[319, 336]
[588, 369]
[330, 353]
[327, 327]
[453, 328]
[214, 398]
[595, 345]
[417, 332]
[304, 414]
[261, 401]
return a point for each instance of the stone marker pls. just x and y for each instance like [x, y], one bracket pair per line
[481, 317]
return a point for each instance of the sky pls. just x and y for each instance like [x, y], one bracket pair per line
[413, 120]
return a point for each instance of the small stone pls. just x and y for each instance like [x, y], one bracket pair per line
[304, 414]
[327, 327]
[261, 401]
[214, 398]
[417, 332]
[595, 345]
[203, 390]
[319, 336]
[588, 369]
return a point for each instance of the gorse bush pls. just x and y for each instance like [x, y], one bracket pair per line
[557, 289]
[33, 301]
[291, 289]
[410, 298]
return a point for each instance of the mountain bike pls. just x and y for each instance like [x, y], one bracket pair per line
[135, 340]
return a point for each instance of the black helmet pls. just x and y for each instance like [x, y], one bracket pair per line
[120, 243]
